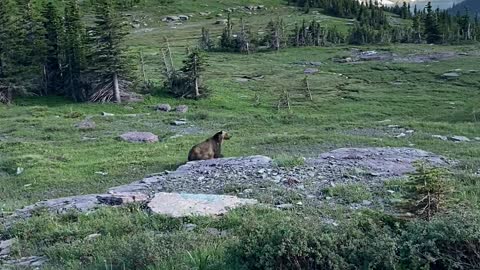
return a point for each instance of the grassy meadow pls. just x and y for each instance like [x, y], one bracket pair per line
[352, 106]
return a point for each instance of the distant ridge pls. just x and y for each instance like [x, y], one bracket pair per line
[473, 7]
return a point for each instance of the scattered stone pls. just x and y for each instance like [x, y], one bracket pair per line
[219, 15]
[181, 109]
[390, 191]
[92, 236]
[477, 138]
[139, 137]
[183, 17]
[87, 124]
[401, 135]
[107, 114]
[204, 13]
[443, 138]
[181, 205]
[366, 202]
[451, 75]
[310, 70]
[190, 227]
[6, 247]
[410, 131]
[19, 171]
[120, 198]
[171, 19]
[179, 122]
[459, 139]
[221, 22]
[102, 173]
[163, 107]
[242, 80]
[33, 261]
[285, 206]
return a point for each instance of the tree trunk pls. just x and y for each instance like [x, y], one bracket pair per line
[116, 88]
[197, 90]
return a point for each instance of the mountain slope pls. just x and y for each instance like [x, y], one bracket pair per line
[472, 5]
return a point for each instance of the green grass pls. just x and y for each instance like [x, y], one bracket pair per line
[38, 135]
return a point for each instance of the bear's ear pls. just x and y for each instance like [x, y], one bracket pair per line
[218, 136]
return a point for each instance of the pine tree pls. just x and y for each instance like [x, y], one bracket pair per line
[74, 52]
[52, 66]
[9, 45]
[109, 61]
[193, 67]
[205, 42]
[226, 41]
[33, 33]
[432, 29]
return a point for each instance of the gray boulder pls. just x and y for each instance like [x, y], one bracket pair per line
[182, 205]
[139, 137]
[87, 124]
[181, 109]
[163, 107]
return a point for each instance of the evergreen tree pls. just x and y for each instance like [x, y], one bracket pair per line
[74, 52]
[109, 62]
[193, 67]
[205, 42]
[226, 41]
[431, 27]
[33, 33]
[9, 45]
[52, 66]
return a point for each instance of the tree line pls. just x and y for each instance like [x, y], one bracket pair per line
[46, 49]
[422, 25]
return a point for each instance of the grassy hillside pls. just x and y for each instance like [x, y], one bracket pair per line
[353, 106]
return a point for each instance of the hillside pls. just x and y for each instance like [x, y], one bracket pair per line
[473, 7]
[343, 154]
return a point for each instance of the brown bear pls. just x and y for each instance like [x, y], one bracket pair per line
[209, 149]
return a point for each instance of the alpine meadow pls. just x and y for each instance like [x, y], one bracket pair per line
[238, 135]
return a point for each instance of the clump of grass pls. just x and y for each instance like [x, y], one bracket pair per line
[289, 161]
[354, 193]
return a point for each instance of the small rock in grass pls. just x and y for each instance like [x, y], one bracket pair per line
[284, 206]
[139, 137]
[443, 138]
[92, 236]
[459, 139]
[310, 70]
[401, 135]
[87, 124]
[189, 227]
[179, 122]
[19, 170]
[181, 109]
[451, 75]
[163, 108]
[107, 114]
[477, 138]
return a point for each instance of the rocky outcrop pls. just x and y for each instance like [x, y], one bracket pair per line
[202, 179]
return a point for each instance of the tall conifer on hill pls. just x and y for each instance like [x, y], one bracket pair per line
[74, 50]
[9, 45]
[52, 66]
[109, 61]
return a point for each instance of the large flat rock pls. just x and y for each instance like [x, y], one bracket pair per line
[182, 205]
[367, 166]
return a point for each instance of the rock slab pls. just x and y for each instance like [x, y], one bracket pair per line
[139, 137]
[184, 204]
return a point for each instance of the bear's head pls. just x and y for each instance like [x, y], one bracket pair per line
[222, 135]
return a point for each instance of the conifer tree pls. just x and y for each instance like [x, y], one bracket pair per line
[9, 44]
[193, 67]
[74, 52]
[431, 27]
[52, 66]
[109, 62]
[205, 42]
